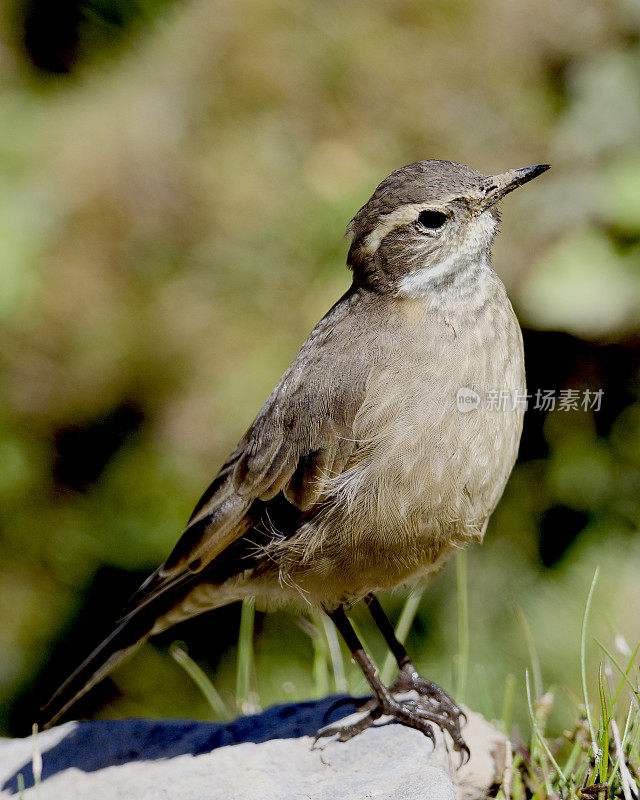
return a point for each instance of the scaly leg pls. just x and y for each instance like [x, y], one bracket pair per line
[415, 714]
[449, 714]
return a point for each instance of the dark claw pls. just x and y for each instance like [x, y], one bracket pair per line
[465, 753]
[428, 731]
[408, 712]
[433, 706]
[329, 730]
[348, 731]
[410, 679]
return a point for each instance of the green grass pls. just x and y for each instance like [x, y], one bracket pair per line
[220, 709]
[597, 757]
[461, 659]
[247, 699]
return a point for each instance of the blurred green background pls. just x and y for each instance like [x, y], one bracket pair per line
[175, 179]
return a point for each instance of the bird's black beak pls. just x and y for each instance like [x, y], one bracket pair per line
[497, 186]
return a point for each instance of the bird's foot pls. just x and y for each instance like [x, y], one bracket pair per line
[446, 713]
[409, 679]
[407, 712]
[348, 730]
[433, 704]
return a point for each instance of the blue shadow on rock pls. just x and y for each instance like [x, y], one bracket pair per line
[91, 746]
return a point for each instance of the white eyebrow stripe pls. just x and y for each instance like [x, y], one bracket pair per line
[395, 219]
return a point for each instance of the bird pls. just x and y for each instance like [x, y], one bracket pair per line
[364, 470]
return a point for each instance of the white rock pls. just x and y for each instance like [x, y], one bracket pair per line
[265, 757]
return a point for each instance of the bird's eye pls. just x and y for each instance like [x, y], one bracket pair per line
[432, 219]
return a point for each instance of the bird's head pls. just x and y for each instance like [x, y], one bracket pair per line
[426, 223]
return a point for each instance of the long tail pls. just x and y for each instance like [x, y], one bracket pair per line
[125, 639]
[214, 541]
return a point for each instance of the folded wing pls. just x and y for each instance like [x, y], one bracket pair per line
[302, 436]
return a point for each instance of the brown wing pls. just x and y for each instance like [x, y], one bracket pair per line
[302, 436]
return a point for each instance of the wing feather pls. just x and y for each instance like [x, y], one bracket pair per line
[301, 437]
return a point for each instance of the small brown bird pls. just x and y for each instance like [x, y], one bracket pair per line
[366, 468]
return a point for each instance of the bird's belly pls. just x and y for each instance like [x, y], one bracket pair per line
[428, 473]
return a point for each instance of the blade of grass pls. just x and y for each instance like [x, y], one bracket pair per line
[626, 780]
[244, 666]
[624, 673]
[541, 739]
[462, 659]
[485, 695]
[634, 747]
[320, 658]
[583, 668]
[533, 653]
[405, 621]
[507, 702]
[361, 684]
[36, 759]
[572, 759]
[604, 741]
[580, 772]
[201, 680]
[627, 726]
[507, 776]
[337, 663]
[518, 791]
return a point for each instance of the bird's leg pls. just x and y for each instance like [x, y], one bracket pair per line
[408, 712]
[409, 678]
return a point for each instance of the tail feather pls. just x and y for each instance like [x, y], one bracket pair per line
[124, 640]
[216, 540]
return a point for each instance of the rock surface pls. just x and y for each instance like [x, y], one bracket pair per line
[268, 756]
